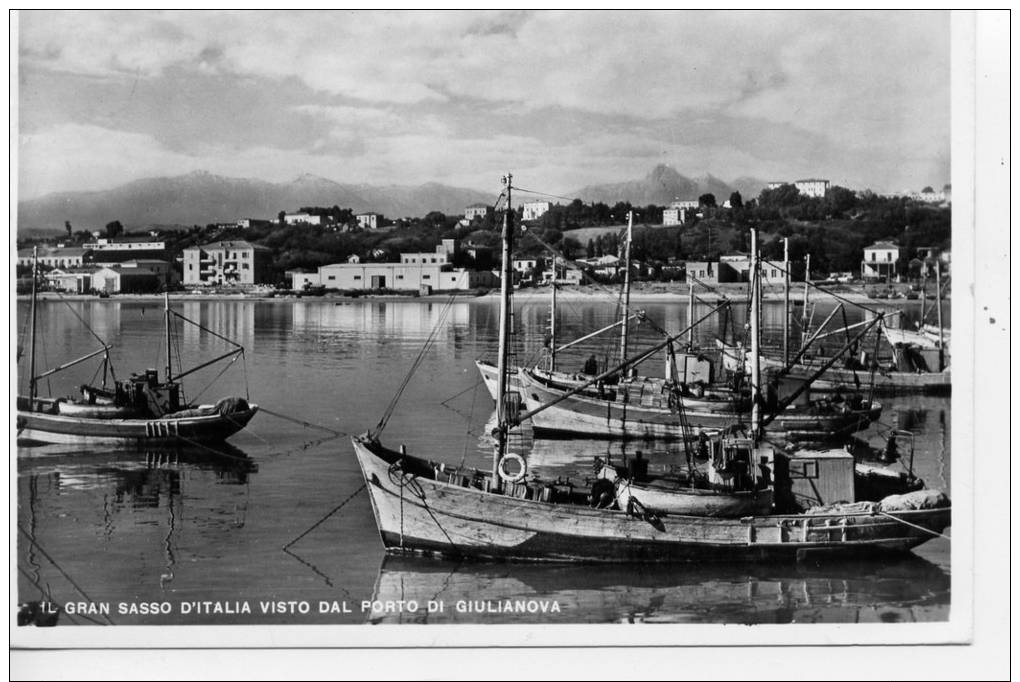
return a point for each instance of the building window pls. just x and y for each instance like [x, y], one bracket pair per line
[244, 266]
[245, 255]
[191, 266]
[426, 276]
[357, 277]
[333, 277]
[400, 277]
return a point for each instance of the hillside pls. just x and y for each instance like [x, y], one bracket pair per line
[663, 185]
[200, 198]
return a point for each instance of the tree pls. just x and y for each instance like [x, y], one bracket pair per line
[927, 190]
[707, 200]
[736, 201]
[113, 229]
[67, 226]
[280, 216]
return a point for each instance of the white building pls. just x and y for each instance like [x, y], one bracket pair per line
[533, 210]
[368, 221]
[477, 211]
[674, 216]
[687, 204]
[228, 262]
[441, 256]
[419, 277]
[55, 257]
[812, 187]
[125, 244]
[880, 261]
[302, 219]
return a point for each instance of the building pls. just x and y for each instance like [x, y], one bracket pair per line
[421, 272]
[737, 268]
[245, 223]
[160, 268]
[477, 211]
[880, 261]
[441, 256]
[564, 276]
[533, 210]
[812, 187]
[674, 216]
[688, 204]
[302, 219]
[419, 277]
[117, 279]
[73, 280]
[705, 272]
[58, 256]
[369, 221]
[111, 251]
[233, 263]
[775, 184]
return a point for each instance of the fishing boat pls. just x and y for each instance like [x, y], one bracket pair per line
[141, 410]
[916, 361]
[421, 505]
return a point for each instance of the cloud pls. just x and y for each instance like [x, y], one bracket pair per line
[848, 94]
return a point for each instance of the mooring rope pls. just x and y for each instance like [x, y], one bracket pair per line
[323, 519]
[302, 422]
[57, 566]
[914, 525]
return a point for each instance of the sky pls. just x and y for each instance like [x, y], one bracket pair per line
[562, 99]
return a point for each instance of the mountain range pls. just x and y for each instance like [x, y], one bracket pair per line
[199, 198]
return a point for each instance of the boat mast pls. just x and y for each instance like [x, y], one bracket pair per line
[690, 316]
[552, 321]
[786, 302]
[938, 291]
[626, 288]
[505, 288]
[803, 312]
[31, 347]
[166, 309]
[755, 350]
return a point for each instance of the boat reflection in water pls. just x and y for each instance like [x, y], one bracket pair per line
[131, 501]
[907, 589]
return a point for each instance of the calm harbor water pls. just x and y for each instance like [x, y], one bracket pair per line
[183, 526]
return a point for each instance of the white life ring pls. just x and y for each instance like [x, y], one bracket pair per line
[508, 477]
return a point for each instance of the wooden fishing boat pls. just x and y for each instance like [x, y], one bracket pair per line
[418, 509]
[140, 410]
[620, 414]
[421, 505]
[885, 379]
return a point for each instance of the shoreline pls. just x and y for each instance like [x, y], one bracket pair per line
[574, 294]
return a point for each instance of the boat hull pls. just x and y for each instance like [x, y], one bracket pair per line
[833, 378]
[416, 513]
[694, 502]
[55, 428]
[594, 418]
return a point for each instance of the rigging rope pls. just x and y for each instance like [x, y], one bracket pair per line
[433, 334]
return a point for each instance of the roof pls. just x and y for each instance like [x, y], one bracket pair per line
[56, 272]
[50, 251]
[883, 245]
[145, 261]
[812, 180]
[238, 244]
[479, 206]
